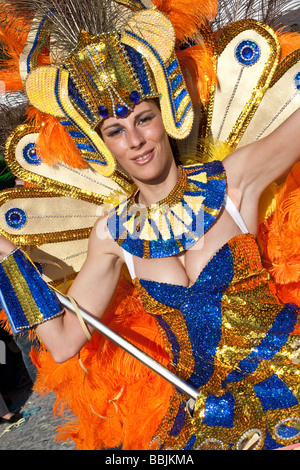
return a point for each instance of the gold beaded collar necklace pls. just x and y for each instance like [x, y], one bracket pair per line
[175, 223]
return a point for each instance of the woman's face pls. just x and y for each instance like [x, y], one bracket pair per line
[139, 142]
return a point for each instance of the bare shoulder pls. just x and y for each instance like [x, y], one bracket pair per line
[101, 241]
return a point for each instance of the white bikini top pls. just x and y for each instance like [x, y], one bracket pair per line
[228, 205]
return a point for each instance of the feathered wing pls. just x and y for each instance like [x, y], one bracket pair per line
[258, 87]
[96, 399]
[52, 215]
[269, 12]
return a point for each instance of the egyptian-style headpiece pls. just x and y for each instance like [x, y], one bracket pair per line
[76, 62]
[83, 61]
[107, 74]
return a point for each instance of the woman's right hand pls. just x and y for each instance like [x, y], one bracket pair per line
[6, 246]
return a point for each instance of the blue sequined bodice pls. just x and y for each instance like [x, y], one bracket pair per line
[229, 336]
[199, 306]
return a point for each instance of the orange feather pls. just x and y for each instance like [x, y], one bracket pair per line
[280, 239]
[54, 145]
[13, 36]
[289, 42]
[118, 400]
[197, 64]
[188, 17]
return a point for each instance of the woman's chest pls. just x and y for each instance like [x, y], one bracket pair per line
[184, 269]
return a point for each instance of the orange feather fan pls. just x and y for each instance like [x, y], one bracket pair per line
[197, 62]
[13, 35]
[188, 17]
[117, 400]
[289, 42]
[280, 239]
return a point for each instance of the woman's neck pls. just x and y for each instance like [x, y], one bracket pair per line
[155, 191]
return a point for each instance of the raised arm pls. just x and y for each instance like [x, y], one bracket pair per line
[256, 165]
[92, 289]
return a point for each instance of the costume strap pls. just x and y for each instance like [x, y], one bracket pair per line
[129, 263]
[235, 214]
[79, 316]
[25, 296]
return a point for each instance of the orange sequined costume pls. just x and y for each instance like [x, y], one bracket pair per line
[229, 336]
[116, 400]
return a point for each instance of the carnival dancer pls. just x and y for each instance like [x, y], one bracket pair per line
[187, 235]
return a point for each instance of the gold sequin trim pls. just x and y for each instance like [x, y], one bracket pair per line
[43, 238]
[262, 84]
[22, 291]
[52, 185]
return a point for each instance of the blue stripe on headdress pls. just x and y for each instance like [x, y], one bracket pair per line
[139, 68]
[174, 105]
[77, 97]
[65, 111]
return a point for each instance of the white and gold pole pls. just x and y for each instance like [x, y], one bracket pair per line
[131, 349]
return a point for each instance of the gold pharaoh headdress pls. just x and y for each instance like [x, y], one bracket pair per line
[69, 195]
[107, 74]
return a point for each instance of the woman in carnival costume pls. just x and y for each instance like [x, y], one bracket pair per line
[200, 300]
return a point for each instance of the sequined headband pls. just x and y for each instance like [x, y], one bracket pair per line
[107, 75]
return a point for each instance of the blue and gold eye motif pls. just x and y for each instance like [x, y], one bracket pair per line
[247, 53]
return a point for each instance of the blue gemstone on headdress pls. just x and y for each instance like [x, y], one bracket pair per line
[103, 112]
[15, 218]
[30, 155]
[122, 111]
[135, 97]
[297, 81]
[247, 52]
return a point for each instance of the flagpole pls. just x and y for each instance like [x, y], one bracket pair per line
[131, 349]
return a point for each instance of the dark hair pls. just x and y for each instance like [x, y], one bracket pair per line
[172, 141]
[175, 151]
